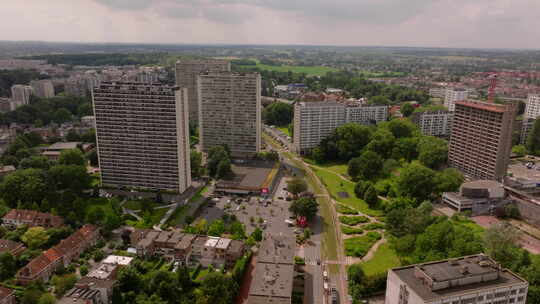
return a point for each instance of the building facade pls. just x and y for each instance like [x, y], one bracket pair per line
[230, 112]
[187, 72]
[20, 95]
[143, 136]
[434, 123]
[43, 88]
[454, 94]
[466, 280]
[532, 112]
[481, 139]
[314, 121]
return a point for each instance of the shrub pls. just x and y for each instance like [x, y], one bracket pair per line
[345, 209]
[353, 220]
[373, 226]
[351, 230]
[359, 246]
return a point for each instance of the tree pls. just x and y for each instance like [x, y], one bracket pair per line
[500, 241]
[361, 187]
[35, 237]
[382, 142]
[296, 186]
[47, 298]
[72, 177]
[8, 265]
[223, 168]
[351, 138]
[72, 157]
[37, 162]
[533, 140]
[432, 151]
[92, 157]
[218, 157]
[196, 163]
[367, 166]
[519, 150]
[73, 136]
[406, 109]
[217, 288]
[401, 128]
[416, 181]
[63, 283]
[304, 206]
[278, 113]
[449, 180]
[370, 196]
[257, 234]
[379, 100]
[27, 184]
[405, 148]
[62, 115]
[217, 228]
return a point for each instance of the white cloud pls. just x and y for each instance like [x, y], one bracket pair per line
[446, 23]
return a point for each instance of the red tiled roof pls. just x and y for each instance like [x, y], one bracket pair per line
[37, 218]
[5, 292]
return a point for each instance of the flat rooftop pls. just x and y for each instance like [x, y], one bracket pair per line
[117, 260]
[520, 171]
[482, 271]
[63, 146]
[486, 106]
[276, 249]
[252, 175]
[273, 284]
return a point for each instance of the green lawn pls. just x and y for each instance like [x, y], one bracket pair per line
[309, 70]
[384, 259]
[359, 246]
[335, 184]
[178, 215]
[133, 205]
[149, 220]
[338, 168]
[199, 194]
[102, 203]
[284, 130]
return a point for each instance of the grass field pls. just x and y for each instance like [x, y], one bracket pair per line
[338, 168]
[384, 259]
[133, 205]
[284, 130]
[335, 184]
[309, 70]
[178, 215]
[199, 194]
[359, 246]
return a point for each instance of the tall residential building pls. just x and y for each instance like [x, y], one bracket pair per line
[453, 95]
[142, 136]
[314, 121]
[230, 112]
[186, 77]
[481, 138]
[43, 88]
[20, 94]
[465, 280]
[434, 123]
[532, 112]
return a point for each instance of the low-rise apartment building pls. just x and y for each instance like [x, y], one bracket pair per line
[314, 121]
[188, 249]
[434, 123]
[453, 95]
[17, 217]
[43, 266]
[466, 280]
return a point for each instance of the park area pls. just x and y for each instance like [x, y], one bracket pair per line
[309, 70]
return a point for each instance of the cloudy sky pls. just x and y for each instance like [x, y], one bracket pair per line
[443, 23]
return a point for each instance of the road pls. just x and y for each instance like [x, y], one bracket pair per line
[317, 281]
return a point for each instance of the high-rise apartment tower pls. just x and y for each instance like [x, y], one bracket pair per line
[453, 95]
[230, 112]
[143, 136]
[186, 77]
[481, 138]
[532, 112]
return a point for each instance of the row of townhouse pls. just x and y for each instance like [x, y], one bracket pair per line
[18, 217]
[188, 249]
[43, 266]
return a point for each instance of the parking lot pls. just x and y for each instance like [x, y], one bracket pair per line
[250, 210]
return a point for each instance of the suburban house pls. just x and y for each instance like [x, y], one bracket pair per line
[17, 217]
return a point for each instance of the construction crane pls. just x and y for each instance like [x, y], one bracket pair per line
[492, 86]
